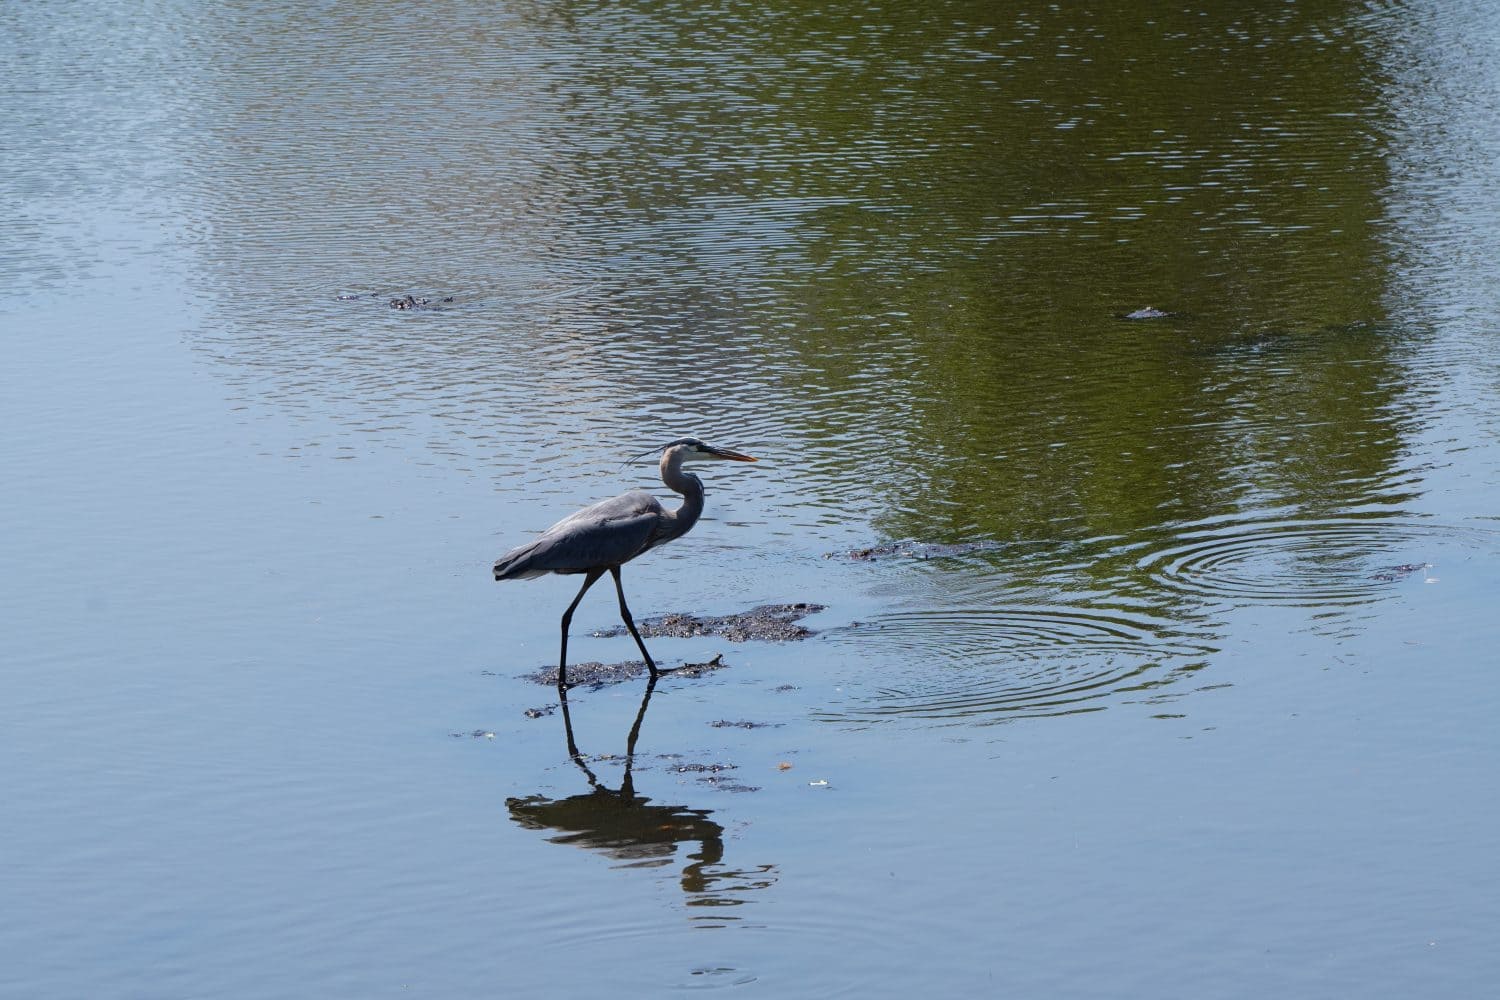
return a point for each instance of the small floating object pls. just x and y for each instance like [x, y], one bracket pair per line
[784, 766]
[820, 783]
[1146, 312]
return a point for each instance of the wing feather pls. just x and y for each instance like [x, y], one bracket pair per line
[608, 533]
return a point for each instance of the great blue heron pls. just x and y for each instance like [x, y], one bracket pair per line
[612, 532]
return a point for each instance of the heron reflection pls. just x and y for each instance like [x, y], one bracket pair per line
[630, 829]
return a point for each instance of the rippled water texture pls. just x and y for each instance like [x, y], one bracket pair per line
[1125, 384]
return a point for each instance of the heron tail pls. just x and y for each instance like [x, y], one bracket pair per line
[516, 565]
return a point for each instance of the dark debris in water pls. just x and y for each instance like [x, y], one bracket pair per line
[727, 784]
[409, 302]
[775, 622]
[540, 713]
[1391, 574]
[709, 773]
[916, 550]
[743, 724]
[404, 303]
[595, 675]
[703, 768]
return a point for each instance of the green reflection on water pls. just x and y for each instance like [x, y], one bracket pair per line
[968, 198]
[896, 243]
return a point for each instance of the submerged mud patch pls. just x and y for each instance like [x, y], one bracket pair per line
[724, 784]
[595, 675]
[915, 550]
[712, 774]
[1392, 574]
[702, 768]
[403, 303]
[771, 622]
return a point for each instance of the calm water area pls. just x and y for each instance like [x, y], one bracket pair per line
[1158, 656]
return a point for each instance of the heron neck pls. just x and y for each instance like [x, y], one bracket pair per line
[691, 488]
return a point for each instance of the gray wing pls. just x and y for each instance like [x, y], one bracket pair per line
[609, 533]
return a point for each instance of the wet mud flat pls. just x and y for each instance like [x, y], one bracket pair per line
[595, 675]
[768, 622]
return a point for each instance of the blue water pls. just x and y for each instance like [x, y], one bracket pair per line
[1201, 705]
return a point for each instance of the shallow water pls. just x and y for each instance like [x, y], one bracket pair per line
[1180, 684]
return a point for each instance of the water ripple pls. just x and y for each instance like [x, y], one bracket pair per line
[1322, 563]
[1022, 661]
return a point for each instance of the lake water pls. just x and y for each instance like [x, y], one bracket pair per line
[1180, 680]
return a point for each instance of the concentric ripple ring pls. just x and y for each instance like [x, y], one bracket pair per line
[1021, 661]
[1302, 563]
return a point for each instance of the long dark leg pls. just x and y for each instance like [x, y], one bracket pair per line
[567, 619]
[630, 622]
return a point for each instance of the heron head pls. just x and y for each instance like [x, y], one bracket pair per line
[693, 450]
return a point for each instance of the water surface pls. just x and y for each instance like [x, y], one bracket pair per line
[1178, 680]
